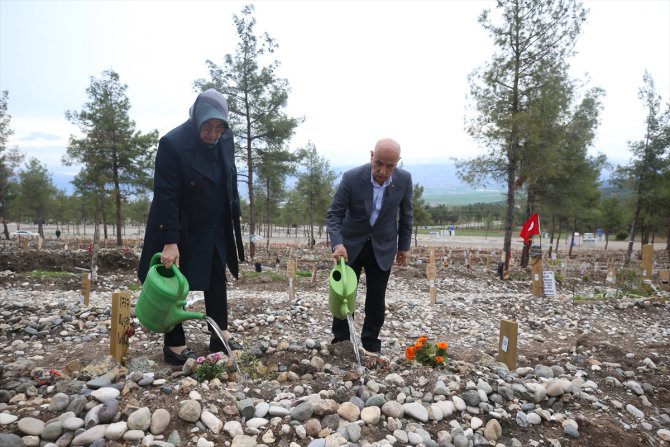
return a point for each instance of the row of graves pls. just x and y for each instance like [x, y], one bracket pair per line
[436, 262]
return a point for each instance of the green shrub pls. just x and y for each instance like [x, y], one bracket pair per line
[622, 236]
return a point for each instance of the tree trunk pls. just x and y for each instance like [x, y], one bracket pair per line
[250, 180]
[509, 220]
[633, 230]
[572, 242]
[95, 246]
[117, 215]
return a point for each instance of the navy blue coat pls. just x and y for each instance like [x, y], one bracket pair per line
[190, 210]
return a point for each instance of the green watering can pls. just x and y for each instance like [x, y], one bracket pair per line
[342, 290]
[161, 303]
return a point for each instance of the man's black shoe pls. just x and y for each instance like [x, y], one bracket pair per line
[215, 345]
[178, 359]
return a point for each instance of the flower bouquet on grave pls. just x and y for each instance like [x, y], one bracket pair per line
[427, 353]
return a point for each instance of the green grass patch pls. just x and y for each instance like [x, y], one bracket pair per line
[598, 295]
[41, 274]
[304, 274]
[273, 276]
[253, 368]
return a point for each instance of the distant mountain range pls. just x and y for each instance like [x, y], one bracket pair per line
[440, 183]
[442, 186]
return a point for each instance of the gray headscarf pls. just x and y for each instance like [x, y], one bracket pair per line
[209, 104]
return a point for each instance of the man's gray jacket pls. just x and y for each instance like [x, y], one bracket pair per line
[348, 218]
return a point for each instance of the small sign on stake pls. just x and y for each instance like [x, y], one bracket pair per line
[549, 284]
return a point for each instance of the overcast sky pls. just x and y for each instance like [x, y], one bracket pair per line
[358, 70]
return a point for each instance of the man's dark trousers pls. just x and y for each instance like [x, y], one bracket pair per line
[375, 301]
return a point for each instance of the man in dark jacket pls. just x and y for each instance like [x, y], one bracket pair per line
[195, 214]
[370, 224]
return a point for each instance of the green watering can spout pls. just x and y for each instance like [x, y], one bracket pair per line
[342, 290]
[161, 303]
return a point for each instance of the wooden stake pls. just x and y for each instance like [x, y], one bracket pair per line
[431, 274]
[536, 272]
[85, 288]
[647, 261]
[507, 343]
[291, 268]
[25, 242]
[118, 346]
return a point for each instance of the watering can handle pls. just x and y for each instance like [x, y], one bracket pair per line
[343, 270]
[181, 279]
[155, 259]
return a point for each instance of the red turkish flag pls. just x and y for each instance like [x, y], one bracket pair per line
[531, 227]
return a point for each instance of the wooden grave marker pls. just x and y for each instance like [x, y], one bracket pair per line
[118, 346]
[431, 274]
[647, 261]
[291, 268]
[314, 269]
[24, 243]
[564, 268]
[85, 288]
[536, 272]
[507, 343]
[611, 273]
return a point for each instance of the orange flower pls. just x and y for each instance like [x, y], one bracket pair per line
[418, 345]
[439, 359]
[422, 339]
[442, 345]
[410, 353]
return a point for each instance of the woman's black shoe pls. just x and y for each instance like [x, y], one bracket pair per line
[178, 359]
[215, 345]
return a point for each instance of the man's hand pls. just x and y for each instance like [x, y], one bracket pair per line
[402, 257]
[170, 255]
[340, 251]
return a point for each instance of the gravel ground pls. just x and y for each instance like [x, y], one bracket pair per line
[591, 371]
